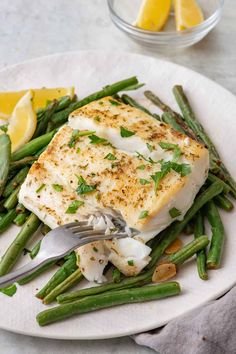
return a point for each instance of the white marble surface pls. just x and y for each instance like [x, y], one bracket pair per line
[35, 28]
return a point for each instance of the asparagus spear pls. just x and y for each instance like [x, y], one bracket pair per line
[61, 117]
[167, 237]
[5, 155]
[65, 285]
[33, 146]
[6, 220]
[223, 202]
[12, 200]
[191, 120]
[66, 270]
[129, 100]
[16, 181]
[201, 255]
[111, 299]
[217, 240]
[15, 249]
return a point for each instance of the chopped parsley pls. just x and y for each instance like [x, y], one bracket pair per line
[141, 167]
[126, 133]
[150, 147]
[143, 214]
[94, 139]
[113, 165]
[174, 212]
[144, 181]
[40, 188]
[176, 150]
[114, 103]
[10, 290]
[4, 128]
[100, 102]
[97, 119]
[76, 135]
[57, 187]
[73, 207]
[84, 188]
[130, 262]
[95, 249]
[78, 150]
[150, 160]
[110, 156]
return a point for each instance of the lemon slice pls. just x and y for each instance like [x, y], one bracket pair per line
[153, 14]
[23, 122]
[8, 100]
[187, 14]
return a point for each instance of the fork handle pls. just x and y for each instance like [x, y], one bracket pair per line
[22, 272]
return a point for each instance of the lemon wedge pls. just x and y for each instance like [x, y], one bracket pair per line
[8, 100]
[187, 14]
[23, 122]
[153, 14]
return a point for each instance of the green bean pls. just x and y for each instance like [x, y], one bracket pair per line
[217, 241]
[130, 101]
[16, 165]
[223, 202]
[65, 285]
[16, 181]
[35, 250]
[15, 249]
[5, 156]
[169, 119]
[116, 275]
[6, 220]
[21, 218]
[61, 117]
[12, 200]
[119, 297]
[38, 272]
[33, 146]
[66, 270]
[201, 255]
[42, 124]
[212, 178]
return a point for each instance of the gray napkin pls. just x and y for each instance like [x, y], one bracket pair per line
[210, 329]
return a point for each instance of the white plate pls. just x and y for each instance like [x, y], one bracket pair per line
[214, 106]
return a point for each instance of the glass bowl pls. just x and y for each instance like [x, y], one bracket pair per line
[124, 13]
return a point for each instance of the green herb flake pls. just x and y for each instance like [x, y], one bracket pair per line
[94, 139]
[78, 150]
[9, 291]
[73, 207]
[144, 181]
[113, 165]
[125, 133]
[57, 187]
[114, 103]
[141, 167]
[40, 188]
[76, 135]
[83, 187]
[174, 147]
[150, 147]
[110, 157]
[143, 214]
[174, 212]
[95, 249]
[4, 128]
[100, 102]
[130, 262]
[97, 119]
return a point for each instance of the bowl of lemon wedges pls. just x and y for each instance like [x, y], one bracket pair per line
[168, 24]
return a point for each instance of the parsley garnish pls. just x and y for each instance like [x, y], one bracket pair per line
[4, 128]
[143, 214]
[114, 103]
[150, 147]
[131, 262]
[95, 249]
[141, 167]
[174, 212]
[94, 139]
[73, 207]
[40, 188]
[144, 181]
[110, 157]
[174, 147]
[57, 187]
[9, 291]
[150, 160]
[78, 150]
[76, 135]
[126, 133]
[97, 119]
[84, 188]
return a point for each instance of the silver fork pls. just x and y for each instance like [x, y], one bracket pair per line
[59, 242]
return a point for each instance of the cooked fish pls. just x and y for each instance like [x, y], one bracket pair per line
[112, 158]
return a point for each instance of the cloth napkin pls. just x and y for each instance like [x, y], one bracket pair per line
[210, 329]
